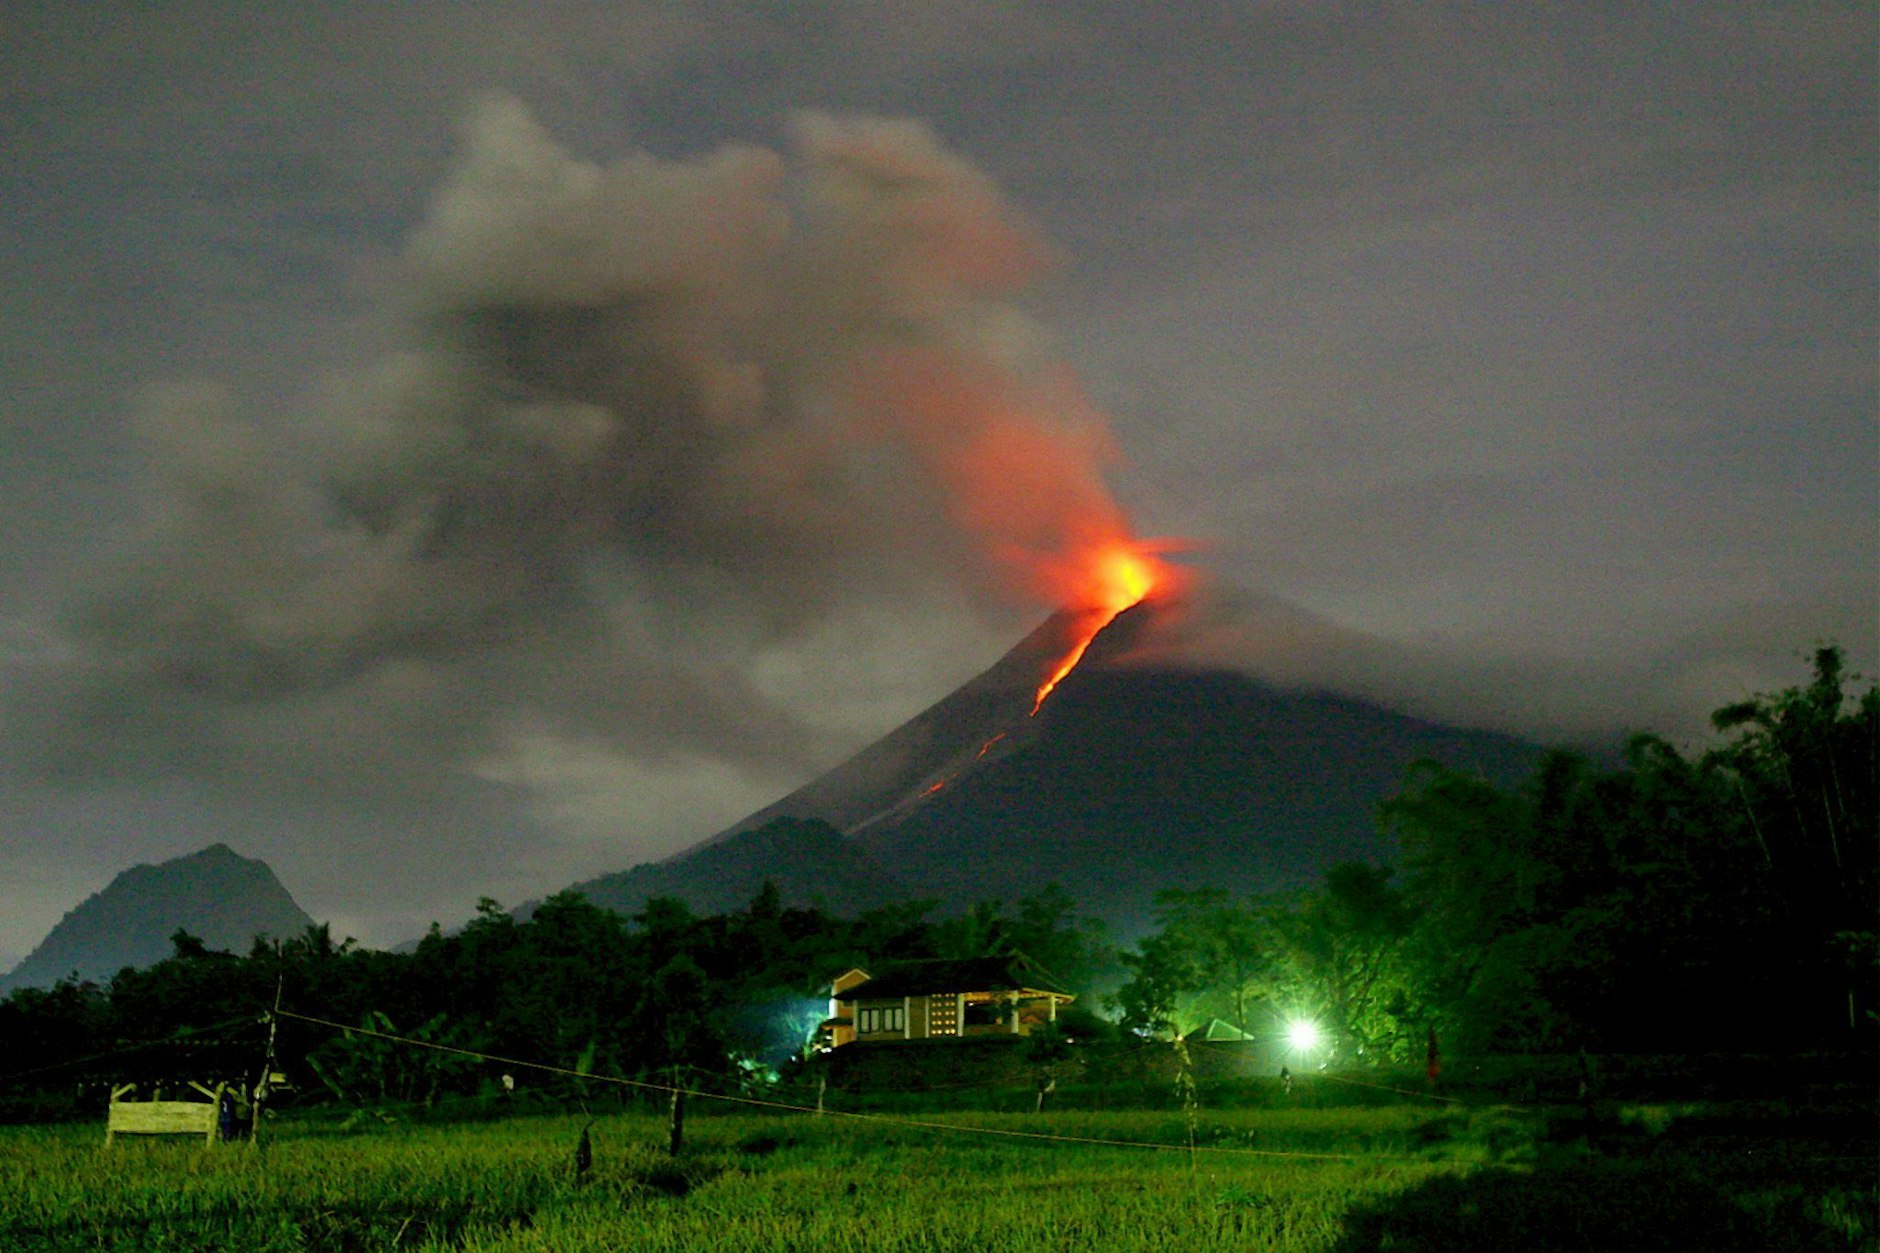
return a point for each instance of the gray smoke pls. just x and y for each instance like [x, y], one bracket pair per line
[651, 432]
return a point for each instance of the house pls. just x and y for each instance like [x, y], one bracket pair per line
[1216, 1029]
[931, 1000]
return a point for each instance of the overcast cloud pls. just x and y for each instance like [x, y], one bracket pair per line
[465, 448]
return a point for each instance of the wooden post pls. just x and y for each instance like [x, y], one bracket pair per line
[212, 1133]
[822, 1086]
[118, 1093]
[258, 1095]
[675, 1135]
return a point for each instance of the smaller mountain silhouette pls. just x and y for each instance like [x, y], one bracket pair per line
[223, 898]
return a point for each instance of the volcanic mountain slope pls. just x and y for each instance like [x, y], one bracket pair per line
[1126, 781]
[808, 859]
[800, 843]
[217, 895]
[982, 722]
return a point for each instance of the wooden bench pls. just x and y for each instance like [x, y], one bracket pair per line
[164, 1118]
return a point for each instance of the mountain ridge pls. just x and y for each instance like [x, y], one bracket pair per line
[215, 894]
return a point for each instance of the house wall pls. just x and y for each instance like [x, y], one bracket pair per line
[944, 1015]
[841, 1033]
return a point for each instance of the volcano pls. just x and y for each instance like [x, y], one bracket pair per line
[1127, 780]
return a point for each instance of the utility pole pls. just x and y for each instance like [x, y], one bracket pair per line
[259, 1094]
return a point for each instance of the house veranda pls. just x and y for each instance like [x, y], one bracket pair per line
[938, 1000]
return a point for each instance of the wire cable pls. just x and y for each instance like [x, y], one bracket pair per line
[882, 1119]
[130, 1048]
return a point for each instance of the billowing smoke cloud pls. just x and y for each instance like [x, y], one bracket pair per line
[651, 426]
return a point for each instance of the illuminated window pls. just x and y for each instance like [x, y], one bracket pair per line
[874, 1020]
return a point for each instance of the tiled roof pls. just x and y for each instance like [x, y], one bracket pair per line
[976, 974]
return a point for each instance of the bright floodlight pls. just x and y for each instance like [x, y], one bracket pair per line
[1303, 1035]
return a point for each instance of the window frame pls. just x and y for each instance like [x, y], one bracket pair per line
[881, 1020]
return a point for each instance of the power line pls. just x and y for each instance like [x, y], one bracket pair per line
[1430, 1096]
[131, 1048]
[883, 1119]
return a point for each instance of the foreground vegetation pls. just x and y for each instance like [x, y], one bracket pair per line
[1408, 1177]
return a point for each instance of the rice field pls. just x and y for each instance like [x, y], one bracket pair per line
[1337, 1180]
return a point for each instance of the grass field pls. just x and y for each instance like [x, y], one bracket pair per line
[1404, 1177]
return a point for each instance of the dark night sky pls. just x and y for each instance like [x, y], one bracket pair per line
[461, 448]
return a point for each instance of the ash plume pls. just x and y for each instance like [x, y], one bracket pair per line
[650, 430]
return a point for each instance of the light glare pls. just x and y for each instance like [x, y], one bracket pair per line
[1303, 1035]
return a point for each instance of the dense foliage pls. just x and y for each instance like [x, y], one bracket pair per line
[1717, 903]
[574, 986]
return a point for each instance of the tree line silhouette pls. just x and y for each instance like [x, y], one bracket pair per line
[1717, 903]
[1722, 902]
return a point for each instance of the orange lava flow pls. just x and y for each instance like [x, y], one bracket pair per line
[1119, 578]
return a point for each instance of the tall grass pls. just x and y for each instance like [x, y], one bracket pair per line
[1328, 1181]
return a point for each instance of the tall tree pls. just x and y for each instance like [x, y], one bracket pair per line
[1805, 763]
[1160, 971]
[1652, 905]
[1335, 954]
[1226, 944]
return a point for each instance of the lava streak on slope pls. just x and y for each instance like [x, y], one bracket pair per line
[1116, 578]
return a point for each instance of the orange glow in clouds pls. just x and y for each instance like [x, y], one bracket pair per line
[1017, 457]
